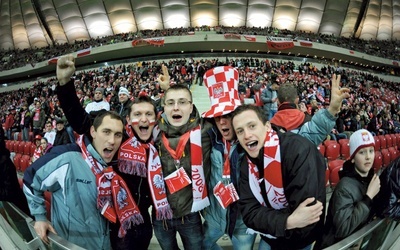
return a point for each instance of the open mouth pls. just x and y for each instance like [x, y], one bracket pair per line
[107, 152]
[224, 130]
[176, 117]
[252, 145]
[143, 129]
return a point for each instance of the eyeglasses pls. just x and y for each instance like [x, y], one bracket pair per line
[181, 102]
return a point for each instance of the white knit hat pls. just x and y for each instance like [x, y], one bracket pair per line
[362, 138]
[123, 90]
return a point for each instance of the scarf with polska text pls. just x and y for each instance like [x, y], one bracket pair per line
[114, 199]
[132, 160]
[272, 177]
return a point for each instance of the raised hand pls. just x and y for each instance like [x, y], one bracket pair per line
[337, 95]
[164, 78]
[65, 68]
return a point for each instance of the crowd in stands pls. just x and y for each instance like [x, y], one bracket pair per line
[18, 58]
[374, 102]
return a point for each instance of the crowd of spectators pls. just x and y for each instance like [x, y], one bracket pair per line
[374, 101]
[18, 58]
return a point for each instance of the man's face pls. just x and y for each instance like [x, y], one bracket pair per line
[60, 126]
[98, 96]
[107, 138]
[224, 126]
[142, 119]
[178, 107]
[48, 127]
[123, 98]
[250, 131]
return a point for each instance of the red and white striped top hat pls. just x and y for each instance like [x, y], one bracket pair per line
[222, 83]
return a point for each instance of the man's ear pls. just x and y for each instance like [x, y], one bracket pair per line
[128, 120]
[92, 132]
[268, 126]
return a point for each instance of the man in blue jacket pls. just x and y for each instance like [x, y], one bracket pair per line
[86, 192]
[222, 216]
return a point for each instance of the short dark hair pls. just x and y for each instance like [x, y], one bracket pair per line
[100, 117]
[178, 87]
[287, 92]
[142, 99]
[258, 110]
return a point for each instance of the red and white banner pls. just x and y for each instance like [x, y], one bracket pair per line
[231, 35]
[191, 33]
[159, 41]
[84, 52]
[279, 43]
[250, 38]
[306, 43]
[52, 60]
[351, 52]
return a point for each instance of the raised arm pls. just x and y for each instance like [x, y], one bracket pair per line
[76, 115]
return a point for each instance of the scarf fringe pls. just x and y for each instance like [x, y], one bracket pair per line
[102, 201]
[252, 231]
[132, 167]
[199, 205]
[127, 224]
[164, 213]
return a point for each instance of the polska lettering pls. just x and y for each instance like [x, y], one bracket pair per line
[132, 156]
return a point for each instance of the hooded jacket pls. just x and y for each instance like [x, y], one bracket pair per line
[315, 129]
[228, 220]
[182, 200]
[74, 215]
[349, 207]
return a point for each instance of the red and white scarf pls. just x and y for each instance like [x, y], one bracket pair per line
[114, 199]
[199, 188]
[132, 160]
[272, 176]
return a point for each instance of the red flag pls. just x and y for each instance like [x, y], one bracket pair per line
[231, 35]
[250, 38]
[84, 52]
[351, 52]
[306, 43]
[52, 60]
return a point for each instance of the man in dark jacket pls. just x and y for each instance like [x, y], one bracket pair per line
[9, 186]
[282, 187]
[62, 136]
[124, 103]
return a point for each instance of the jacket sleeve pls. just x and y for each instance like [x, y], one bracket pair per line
[348, 213]
[319, 127]
[76, 115]
[265, 97]
[45, 174]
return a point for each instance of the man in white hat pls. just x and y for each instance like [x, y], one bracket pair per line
[124, 102]
[222, 216]
[98, 102]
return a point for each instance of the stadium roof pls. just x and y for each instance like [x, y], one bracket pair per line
[39, 23]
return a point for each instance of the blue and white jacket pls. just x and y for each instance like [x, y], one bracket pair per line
[74, 213]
